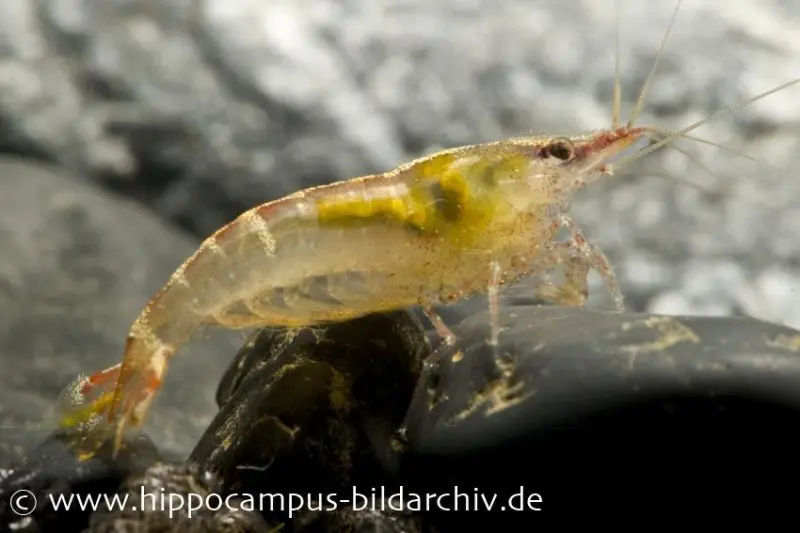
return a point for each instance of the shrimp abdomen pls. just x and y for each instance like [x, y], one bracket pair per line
[424, 232]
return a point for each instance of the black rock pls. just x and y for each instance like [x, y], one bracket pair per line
[455, 314]
[588, 412]
[315, 410]
[172, 498]
[34, 494]
[363, 518]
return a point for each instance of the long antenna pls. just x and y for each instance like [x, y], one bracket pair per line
[733, 151]
[669, 137]
[617, 89]
[649, 80]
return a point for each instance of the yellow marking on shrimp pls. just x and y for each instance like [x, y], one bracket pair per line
[414, 204]
[405, 208]
[451, 195]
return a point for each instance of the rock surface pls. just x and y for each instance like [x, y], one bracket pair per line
[577, 409]
[312, 412]
[133, 492]
[201, 109]
[41, 494]
[603, 412]
[194, 505]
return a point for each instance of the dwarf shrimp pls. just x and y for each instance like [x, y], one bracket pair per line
[433, 231]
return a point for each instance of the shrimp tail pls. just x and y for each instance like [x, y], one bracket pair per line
[122, 393]
[140, 377]
[77, 406]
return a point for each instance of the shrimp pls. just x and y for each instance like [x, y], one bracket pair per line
[433, 231]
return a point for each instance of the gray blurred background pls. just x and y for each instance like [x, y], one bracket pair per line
[161, 121]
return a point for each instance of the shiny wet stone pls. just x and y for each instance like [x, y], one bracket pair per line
[53, 472]
[314, 411]
[577, 413]
[598, 412]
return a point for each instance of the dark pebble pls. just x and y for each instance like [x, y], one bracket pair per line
[598, 412]
[314, 411]
[53, 473]
[357, 519]
[170, 498]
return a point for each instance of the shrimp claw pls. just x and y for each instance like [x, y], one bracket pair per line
[447, 335]
[574, 291]
[578, 257]
[589, 255]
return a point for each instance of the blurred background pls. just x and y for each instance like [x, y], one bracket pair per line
[131, 129]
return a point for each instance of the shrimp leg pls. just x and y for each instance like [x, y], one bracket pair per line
[574, 290]
[447, 335]
[493, 291]
[578, 256]
[493, 285]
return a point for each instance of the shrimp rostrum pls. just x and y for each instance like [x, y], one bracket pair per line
[436, 230]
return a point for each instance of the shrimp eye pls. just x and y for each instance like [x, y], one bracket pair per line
[561, 148]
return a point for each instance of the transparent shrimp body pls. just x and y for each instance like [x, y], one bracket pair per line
[431, 231]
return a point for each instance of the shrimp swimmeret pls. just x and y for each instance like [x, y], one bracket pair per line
[438, 229]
